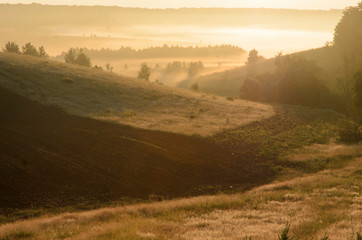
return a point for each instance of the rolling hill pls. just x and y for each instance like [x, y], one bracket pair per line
[51, 158]
[57, 153]
[106, 96]
[228, 83]
[63, 138]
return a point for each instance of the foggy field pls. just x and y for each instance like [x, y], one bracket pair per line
[212, 65]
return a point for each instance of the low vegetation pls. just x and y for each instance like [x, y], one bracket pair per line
[324, 204]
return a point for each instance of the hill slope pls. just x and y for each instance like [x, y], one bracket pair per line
[49, 158]
[323, 203]
[101, 95]
[228, 83]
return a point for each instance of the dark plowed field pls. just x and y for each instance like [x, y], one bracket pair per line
[49, 158]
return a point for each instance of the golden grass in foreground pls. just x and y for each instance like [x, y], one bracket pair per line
[327, 202]
[101, 95]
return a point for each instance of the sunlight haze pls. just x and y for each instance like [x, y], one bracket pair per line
[297, 4]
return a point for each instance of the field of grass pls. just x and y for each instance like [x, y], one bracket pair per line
[56, 166]
[326, 202]
[110, 97]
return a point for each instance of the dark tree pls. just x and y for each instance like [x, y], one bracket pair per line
[145, 72]
[348, 32]
[42, 53]
[253, 60]
[11, 47]
[77, 58]
[357, 94]
[299, 81]
[195, 87]
[29, 49]
[250, 90]
[70, 56]
[82, 59]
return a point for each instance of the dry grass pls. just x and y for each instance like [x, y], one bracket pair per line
[327, 202]
[101, 95]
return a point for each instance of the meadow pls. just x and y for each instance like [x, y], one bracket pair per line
[95, 149]
[102, 95]
[323, 202]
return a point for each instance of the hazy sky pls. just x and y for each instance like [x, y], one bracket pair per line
[299, 4]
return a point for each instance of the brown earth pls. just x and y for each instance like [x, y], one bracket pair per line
[50, 158]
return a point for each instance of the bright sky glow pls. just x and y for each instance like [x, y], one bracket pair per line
[292, 4]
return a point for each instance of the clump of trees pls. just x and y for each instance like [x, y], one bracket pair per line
[192, 68]
[27, 49]
[347, 40]
[11, 47]
[295, 81]
[77, 57]
[145, 72]
[253, 59]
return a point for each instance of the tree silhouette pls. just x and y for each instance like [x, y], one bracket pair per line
[29, 49]
[82, 59]
[42, 53]
[357, 96]
[348, 31]
[145, 72]
[11, 47]
[77, 58]
[252, 61]
[70, 56]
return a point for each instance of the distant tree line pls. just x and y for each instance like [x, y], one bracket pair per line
[27, 49]
[163, 52]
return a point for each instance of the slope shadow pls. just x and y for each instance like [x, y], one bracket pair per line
[50, 158]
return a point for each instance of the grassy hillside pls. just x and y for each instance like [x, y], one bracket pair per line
[228, 83]
[51, 159]
[319, 195]
[101, 95]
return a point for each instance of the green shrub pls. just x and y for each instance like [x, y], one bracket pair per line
[195, 87]
[325, 237]
[359, 237]
[284, 235]
[350, 131]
